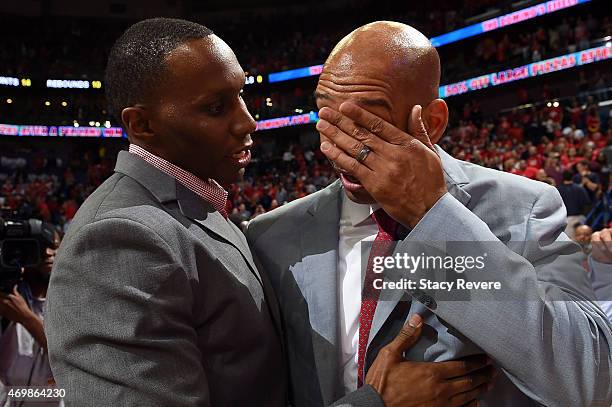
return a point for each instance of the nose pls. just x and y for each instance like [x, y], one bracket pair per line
[50, 252]
[244, 124]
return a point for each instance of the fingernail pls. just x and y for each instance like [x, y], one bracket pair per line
[420, 109]
[325, 146]
[322, 124]
[415, 321]
[324, 113]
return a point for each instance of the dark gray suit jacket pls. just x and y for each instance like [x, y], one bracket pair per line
[551, 341]
[155, 300]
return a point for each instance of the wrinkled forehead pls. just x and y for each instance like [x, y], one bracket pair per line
[392, 67]
[371, 93]
[371, 84]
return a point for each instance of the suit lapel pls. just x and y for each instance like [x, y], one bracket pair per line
[203, 213]
[166, 189]
[319, 246]
[455, 179]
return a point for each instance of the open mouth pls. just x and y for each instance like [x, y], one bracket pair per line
[241, 158]
[350, 183]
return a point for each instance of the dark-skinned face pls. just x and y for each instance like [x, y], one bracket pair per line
[43, 271]
[197, 116]
[370, 88]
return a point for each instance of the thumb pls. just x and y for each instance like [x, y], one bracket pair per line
[408, 336]
[16, 291]
[417, 127]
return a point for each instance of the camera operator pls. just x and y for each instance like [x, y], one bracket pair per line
[23, 345]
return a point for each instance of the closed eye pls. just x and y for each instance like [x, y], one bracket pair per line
[214, 109]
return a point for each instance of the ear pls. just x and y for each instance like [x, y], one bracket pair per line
[136, 122]
[435, 118]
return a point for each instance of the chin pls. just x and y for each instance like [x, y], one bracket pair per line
[227, 179]
[361, 197]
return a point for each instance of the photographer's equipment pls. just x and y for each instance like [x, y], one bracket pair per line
[22, 244]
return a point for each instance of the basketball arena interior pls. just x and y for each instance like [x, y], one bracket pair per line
[516, 136]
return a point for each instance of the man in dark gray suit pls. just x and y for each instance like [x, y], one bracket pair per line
[380, 118]
[154, 298]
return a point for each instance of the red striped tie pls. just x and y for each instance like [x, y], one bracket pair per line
[382, 246]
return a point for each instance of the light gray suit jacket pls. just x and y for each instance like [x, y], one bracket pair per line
[155, 300]
[555, 353]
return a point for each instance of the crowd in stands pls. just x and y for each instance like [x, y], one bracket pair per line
[561, 144]
[265, 40]
[565, 143]
[35, 182]
[492, 52]
[504, 49]
[58, 48]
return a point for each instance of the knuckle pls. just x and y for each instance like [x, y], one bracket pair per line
[394, 170]
[352, 165]
[432, 374]
[359, 133]
[334, 155]
[469, 381]
[407, 331]
[376, 125]
[332, 131]
[336, 119]
[413, 145]
[386, 352]
[355, 149]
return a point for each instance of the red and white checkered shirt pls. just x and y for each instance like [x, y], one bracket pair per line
[209, 190]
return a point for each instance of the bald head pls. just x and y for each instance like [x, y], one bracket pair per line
[398, 51]
[386, 68]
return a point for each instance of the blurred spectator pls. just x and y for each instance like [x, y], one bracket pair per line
[543, 177]
[600, 266]
[23, 346]
[588, 179]
[582, 235]
[575, 199]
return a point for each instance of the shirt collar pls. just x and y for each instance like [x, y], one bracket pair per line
[209, 189]
[356, 213]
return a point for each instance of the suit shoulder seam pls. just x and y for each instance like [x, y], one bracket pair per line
[107, 194]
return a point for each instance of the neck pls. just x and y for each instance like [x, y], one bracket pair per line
[39, 289]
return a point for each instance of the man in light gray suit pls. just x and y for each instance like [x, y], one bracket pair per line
[551, 341]
[154, 298]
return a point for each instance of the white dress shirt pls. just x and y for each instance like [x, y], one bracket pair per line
[356, 226]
